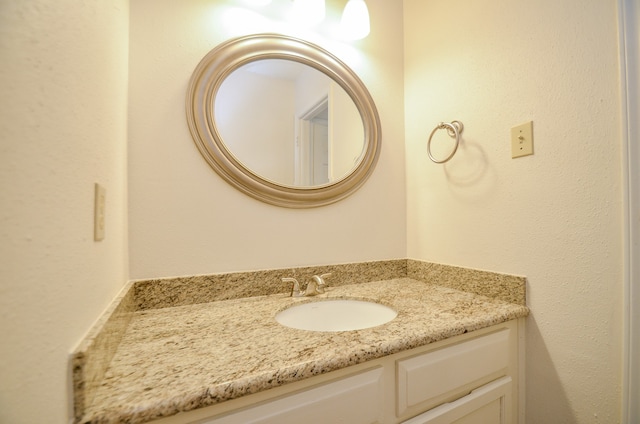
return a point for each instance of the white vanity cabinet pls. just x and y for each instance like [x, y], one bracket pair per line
[356, 399]
[472, 378]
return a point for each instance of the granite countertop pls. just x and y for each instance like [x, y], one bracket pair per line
[185, 357]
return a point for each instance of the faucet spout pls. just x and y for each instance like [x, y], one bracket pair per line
[312, 288]
[320, 284]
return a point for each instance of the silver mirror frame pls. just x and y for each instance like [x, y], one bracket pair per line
[229, 56]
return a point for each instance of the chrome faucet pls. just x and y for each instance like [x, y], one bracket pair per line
[314, 287]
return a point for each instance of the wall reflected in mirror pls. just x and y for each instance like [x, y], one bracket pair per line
[289, 123]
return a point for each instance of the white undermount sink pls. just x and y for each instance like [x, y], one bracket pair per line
[336, 315]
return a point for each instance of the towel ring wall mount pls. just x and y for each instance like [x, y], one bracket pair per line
[454, 129]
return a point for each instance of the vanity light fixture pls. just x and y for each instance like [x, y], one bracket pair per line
[355, 20]
[258, 2]
[309, 11]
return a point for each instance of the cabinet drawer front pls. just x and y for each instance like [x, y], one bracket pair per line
[426, 377]
[487, 404]
[358, 399]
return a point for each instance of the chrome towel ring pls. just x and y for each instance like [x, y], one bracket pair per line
[454, 129]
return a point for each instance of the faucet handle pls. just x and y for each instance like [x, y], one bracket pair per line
[295, 288]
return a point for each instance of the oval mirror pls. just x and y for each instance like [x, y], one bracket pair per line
[283, 120]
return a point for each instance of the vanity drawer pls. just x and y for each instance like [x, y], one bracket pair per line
[488, 404]
[356, 399]
[443, 375]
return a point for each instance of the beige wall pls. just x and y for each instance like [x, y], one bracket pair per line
[63, 100]
[184, 219]
[555, 216]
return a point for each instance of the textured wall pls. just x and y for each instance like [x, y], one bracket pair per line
[184, 219]
[555, 216]
[63, 94]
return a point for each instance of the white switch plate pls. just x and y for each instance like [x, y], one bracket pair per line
[522, 140]
[98, 219]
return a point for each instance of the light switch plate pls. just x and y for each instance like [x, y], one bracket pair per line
[98, 220]
[522, 140]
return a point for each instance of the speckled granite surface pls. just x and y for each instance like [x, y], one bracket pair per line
[169, 292]
[169, 352]
[91, 359]
[510, 288]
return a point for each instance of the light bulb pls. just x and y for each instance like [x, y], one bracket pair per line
[309, 12]
[258, 2]
[355, 20]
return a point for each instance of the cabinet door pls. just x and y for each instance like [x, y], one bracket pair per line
[488, 404]
[357, 399]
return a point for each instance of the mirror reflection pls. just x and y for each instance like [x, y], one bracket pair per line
[289, 123]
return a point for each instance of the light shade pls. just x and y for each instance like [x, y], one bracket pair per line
[309, 11]
[355, 20]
